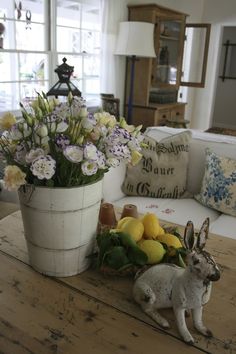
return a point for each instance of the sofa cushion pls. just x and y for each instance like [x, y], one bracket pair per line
[224, 145]
[162, 171]
[225, 225]
[178, 211]
[218, 189]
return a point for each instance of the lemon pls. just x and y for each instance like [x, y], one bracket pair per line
[151, 225]
[153, 249]
[171, 241]
[161, 231]
[123, 220]
[134, 228]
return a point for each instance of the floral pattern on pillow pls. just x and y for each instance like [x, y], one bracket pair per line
[218, 189]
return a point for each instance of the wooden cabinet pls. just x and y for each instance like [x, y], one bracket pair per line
[157, 80]
[158, 114]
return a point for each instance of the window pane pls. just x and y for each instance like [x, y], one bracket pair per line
[7, 8]
[92, 86]
[29, 39]
[32, 66]
[34, 10]
[9, 67]
[90, 42]
[17, 9]
[9, 96]
[68, 40]
[68, 13]
[91, 65]
[79, 84]
[91, 16]
[76, 62]
[29, 90]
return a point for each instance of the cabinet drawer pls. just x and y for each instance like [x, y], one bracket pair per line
[162, 116]
[177, 113]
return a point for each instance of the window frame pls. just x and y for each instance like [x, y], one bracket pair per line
[52, 54]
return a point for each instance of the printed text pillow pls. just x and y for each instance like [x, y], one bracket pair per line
[162, 171]
[218, 190]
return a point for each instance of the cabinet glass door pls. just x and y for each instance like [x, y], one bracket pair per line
[167, 64]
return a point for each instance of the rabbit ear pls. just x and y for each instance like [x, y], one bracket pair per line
[189, 236]
[203, 235]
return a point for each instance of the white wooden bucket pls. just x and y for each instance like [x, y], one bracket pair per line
[60, 226]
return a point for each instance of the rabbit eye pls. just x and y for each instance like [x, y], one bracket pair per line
[196, 261]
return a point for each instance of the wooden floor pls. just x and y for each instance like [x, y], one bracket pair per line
[95, 314]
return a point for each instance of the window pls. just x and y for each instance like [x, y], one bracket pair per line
[37, 35]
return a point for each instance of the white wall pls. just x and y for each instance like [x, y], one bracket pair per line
[224, 113]
[219, 13]
[200, 101]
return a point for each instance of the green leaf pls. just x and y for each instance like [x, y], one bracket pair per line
[50, 183]
[137, 256]
[126, 239]
[116, 257]
[106, 241]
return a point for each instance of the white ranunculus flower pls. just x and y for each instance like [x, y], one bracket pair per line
[90, 152]
[33, 155]
[43, 167]
[89, 167]
[73, 153]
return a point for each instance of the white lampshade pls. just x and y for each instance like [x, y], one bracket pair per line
[135, 38]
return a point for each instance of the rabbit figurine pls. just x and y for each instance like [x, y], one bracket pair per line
[184, 289]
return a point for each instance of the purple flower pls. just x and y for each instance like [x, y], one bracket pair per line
[62, 141]
[118, 151]
[118, 135]
[21, 152]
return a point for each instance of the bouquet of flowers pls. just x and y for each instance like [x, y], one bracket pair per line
[61, 144]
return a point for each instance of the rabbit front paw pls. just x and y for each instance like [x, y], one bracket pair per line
[205, 331]
[188, 339]
[154, 314]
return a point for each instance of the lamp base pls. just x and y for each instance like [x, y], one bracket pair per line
[131, 89]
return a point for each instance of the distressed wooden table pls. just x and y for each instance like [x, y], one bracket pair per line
[92, 313]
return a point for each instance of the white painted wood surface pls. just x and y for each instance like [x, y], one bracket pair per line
[60, 226]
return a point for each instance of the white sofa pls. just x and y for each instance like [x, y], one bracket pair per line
[180, 210]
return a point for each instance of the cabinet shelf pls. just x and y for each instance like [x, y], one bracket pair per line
[162, 72]
[169, 38]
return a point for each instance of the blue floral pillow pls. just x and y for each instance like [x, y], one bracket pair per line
[218, 190]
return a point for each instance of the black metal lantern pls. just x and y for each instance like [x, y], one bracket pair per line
[64, 85]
